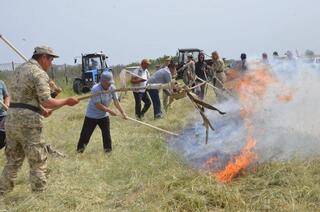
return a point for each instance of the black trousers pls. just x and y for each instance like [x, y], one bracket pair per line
[2, 132]
[88, 127]
[2, 139]
[138, 97]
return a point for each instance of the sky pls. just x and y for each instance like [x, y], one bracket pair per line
[128, 31]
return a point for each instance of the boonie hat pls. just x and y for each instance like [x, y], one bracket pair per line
[44, 50]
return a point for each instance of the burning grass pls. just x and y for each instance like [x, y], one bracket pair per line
[143, 175]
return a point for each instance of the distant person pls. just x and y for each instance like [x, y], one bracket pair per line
[201, 72]
[290, 56]
[94, 64]
[139, 82]
[265, 59]
[162, 76]
[98, 113]
[291, 61]
[167, 61]
[188, 71]
[4, 106]
[244, 64]
[165, 93]
[217, 70]
[275, 55]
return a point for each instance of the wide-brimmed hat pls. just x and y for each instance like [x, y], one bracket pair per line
[44, 50]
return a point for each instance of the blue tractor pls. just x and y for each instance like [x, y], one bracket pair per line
[92, 67]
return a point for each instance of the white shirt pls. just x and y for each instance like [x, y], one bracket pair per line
[144, 74]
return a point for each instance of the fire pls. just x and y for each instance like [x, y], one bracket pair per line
[240, 162]
[251, 89]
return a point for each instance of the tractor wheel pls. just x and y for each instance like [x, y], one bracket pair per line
[77, 86]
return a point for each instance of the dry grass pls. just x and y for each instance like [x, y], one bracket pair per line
[143, 175]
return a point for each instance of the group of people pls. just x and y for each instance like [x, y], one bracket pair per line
[195, 73]
[31, 100]
[141, 77]
[288, 56]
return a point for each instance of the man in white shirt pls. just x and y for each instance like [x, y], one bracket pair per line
[139, 81]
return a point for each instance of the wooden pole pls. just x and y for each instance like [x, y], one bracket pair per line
[197, 85]
[65, 73]
[133, 74]
[151, 126]
[230, 95]
[13, 48]
[106, 92]
[150, 86]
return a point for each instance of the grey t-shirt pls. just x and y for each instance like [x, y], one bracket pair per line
[3, 94]
[161, 76]
[105, 99]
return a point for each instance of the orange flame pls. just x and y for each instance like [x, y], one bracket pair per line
[251, 89]
[240, 163]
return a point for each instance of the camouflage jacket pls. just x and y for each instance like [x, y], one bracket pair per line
[217, 67]
[30, 85]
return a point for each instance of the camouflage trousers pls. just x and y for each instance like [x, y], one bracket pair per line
[165, 99]
[24, 142]
[219, 83]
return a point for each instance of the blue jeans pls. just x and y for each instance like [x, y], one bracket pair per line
[154, 94]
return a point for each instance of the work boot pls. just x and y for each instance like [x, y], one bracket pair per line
[158, 116]
[80, 150]
[108, 152]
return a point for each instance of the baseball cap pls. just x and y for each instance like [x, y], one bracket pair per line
[107, 76]
[44, 50]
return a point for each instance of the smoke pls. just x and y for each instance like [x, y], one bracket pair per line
[285, 120]
[290, 128]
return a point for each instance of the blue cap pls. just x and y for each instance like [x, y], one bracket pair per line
[107, 76]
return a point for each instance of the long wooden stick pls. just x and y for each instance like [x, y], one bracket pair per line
[149, 86]
[197, 85]
[133, 74]
[151, 126]
[107, 91]
[13, 48]
[212, 86]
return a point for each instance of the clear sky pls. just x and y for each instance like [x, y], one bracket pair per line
[129, 30]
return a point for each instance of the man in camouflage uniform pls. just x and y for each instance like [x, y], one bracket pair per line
[189, 75]
[31, 101]
[217, 72]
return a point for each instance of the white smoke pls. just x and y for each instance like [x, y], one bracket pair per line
[290, 129]
[282, 130]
